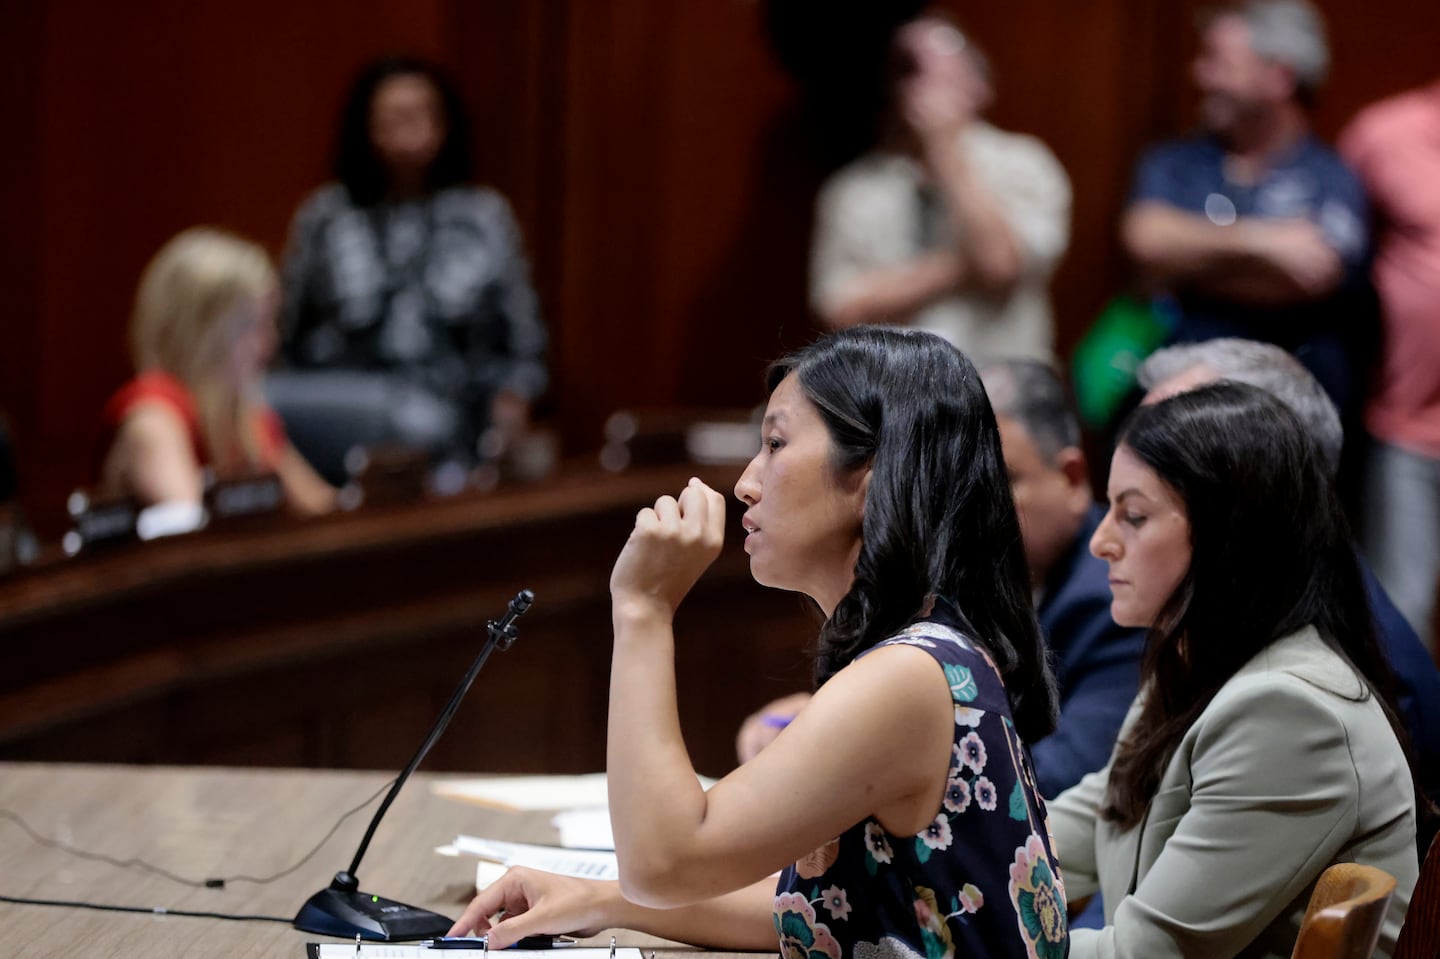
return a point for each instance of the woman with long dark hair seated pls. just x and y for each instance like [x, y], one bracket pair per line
[1264, 745]
[900, 805]
[408, 318]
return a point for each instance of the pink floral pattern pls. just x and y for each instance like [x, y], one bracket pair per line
[971, 898]
[986, 795]
[957, 795]
[937, 835]
[941, 893]
[837, 903]
[1039, 902]
[876, 844]
[972, 753]
[802, 936]
[934, 929]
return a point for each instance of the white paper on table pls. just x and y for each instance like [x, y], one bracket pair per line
[585, 828]
[487, 872]
[390, 950]
[525, 793]
[587, 864]
[520, 793]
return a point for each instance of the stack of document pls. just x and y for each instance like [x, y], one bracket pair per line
[587, 864]
[583, 823]
[525, 793]
[584, 818]
[585, 828]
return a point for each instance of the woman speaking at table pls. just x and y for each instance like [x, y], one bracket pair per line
[899, 807]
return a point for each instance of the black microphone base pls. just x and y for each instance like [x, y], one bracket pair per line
[338, 912]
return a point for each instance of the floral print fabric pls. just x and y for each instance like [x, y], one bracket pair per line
[979, 880]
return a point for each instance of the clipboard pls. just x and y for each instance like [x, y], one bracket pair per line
[401, 950]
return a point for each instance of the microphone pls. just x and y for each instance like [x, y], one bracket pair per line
[341, 909]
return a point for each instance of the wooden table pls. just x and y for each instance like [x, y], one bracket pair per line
[221, 822]
[334, 642]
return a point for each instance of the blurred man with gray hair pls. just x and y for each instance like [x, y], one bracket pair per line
[1185, 367]
[1254, 228]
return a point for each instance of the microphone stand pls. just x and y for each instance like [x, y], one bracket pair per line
[341, 909]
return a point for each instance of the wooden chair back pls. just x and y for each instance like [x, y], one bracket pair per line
[1420, 936]
[1345, 913]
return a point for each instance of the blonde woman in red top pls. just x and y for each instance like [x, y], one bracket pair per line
[201, 336]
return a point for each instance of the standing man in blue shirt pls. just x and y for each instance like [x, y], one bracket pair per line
[1254, 227]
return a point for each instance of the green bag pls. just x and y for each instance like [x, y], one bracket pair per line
[1103, 367]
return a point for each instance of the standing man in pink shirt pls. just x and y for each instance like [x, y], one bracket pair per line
[1394, 145]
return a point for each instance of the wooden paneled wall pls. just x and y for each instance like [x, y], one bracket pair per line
[662, 163]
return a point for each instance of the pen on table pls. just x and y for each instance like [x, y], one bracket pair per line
[483, 942]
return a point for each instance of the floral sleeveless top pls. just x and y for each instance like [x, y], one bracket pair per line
[980, 880]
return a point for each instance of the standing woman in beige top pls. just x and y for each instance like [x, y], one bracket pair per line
[1263, 746]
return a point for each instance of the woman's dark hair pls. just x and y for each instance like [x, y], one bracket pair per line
[358, 166]
[939, 520]
[1271, 553]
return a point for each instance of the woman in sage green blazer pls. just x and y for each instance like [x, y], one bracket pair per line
[1263, 746]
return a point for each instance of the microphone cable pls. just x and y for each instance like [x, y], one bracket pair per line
[144, 910]
[136, 863]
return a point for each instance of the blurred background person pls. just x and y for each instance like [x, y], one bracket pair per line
[409, 318]
[1097, 663]
[202, 334]
[952, 225]
[1253, 226]
[1395, 147]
